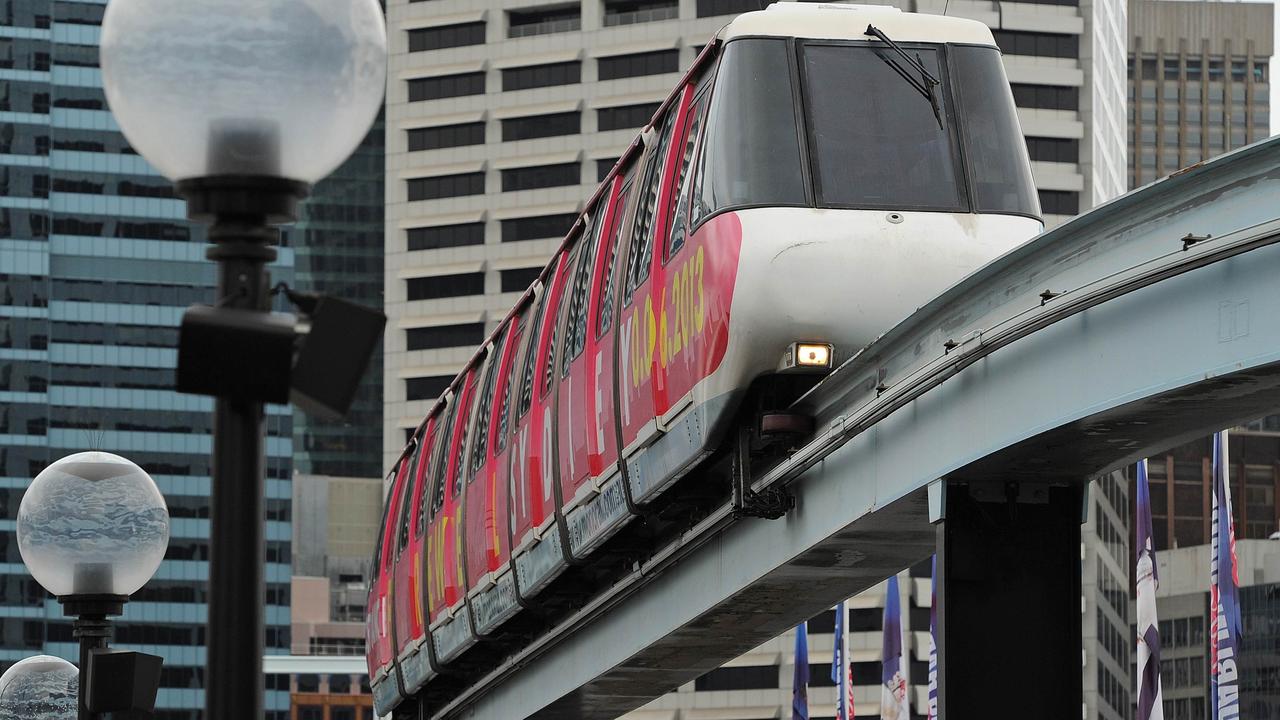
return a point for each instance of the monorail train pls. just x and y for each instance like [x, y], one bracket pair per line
[819, 172]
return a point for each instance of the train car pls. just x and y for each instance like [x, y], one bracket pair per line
[817, 174]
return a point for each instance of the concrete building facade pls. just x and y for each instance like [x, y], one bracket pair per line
[1199, 82]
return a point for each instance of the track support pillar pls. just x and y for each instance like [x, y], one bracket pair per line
[1008, 601]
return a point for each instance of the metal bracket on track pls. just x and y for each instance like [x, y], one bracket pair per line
[769, 504]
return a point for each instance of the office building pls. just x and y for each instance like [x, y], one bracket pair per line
[337, 244]
[97, 265]
[502, 118]
[1183, 608]
[1199, 82]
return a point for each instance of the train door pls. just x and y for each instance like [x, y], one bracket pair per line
[415, 664]
[572, 423]
[639, 319]
[595, 505]
[388, 689]
[538, 552]
[487, 541]
[681, 274]
[451, 630]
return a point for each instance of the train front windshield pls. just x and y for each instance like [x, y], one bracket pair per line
[857, 125]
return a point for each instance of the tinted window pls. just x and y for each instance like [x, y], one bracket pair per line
[441, 459]
[638, 64]
[538, 227]
[615, 236]
[444, 336]
[479, 446]
[540, 126]
[753, 156]
[680, 208]
[625, 116]
[504, 417]
[442, 286]
[994, 148]
[426, 388]
[406, 497]
[565, 73]
[519, 279]
[446, 36]
[446, 186]
[874, 138]
[541, 176]
[530, 356]
[576, 325]
[444, 236]
[708, 8]
[445, 136]
[446, 86]
[642, 229]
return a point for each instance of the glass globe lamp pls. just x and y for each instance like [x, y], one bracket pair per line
[40, 688]
[93, 523]
[211, 88]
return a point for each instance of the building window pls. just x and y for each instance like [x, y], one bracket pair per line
[444, 286]
[445, 236]
[446, 186]
[1059, 202]
[625, 116]
[519, 279]
[543, 20]
[709, 8]
[536, 76]
[539, 227]
[446, 86]
[541, 176]
[540, 126]
[445, 336]
[446, 36]
[310, 712]
[446, 136]
[1013, 42]
[1046, 97]
[1060, 150]
[308, 683]
[630, 12]
[757, 677]
[638, 64]
[426, 388]
[341, 712]
[603, 167]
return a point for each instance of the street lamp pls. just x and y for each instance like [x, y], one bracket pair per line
[39, 688]
[92, 529]
[244, 104]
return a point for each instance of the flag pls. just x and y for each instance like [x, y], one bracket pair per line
[838, 675]
[893, 667]
[848, 695]
[800, 680]
[933, 640]
[1150, 701]
[1224, 606]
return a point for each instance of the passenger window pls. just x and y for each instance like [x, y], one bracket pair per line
[606, 291]
[680, 213]
[460, 458]
[530, 356]
[548, 371]
[378, 557]
[410, 480]
[646, 214]
[504, 417]
[576, 327]
[440, 456]
[486, 405]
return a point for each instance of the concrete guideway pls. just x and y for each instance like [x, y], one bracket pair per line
[996, 393]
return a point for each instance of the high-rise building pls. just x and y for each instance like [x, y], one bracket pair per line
[97, 265]
[501, 120]
[1199, 83]
[1104, 583]
[1182, 604]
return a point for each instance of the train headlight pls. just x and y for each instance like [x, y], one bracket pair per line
[807, 356]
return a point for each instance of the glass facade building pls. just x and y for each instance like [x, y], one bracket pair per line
[97, 265]
[338, 251]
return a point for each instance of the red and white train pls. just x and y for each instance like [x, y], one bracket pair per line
[819, 172]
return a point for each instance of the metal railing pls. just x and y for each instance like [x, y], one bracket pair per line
[632, 17]
[545, 27]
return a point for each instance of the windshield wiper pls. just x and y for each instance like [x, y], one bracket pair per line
[925, 84]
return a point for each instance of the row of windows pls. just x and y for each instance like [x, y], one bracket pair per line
[444, 336]
[443, 286]
[1061, 150]
[539, 227]
[527, 128]
[1169, 69]
[541, 176]
[460, 285]
[1046, 97]
[1059, 202]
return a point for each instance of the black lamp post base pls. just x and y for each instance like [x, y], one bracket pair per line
[92, 605]
[252, 199]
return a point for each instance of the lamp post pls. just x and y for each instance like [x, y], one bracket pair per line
[243, 104]
[92, 529]
[39, 688]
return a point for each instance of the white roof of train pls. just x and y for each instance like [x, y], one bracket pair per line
[849, 22]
